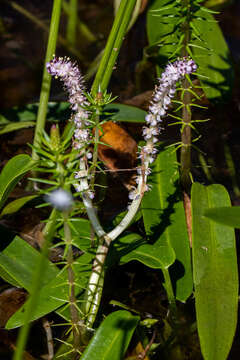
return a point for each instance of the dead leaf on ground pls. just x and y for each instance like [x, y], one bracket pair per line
[10, 301]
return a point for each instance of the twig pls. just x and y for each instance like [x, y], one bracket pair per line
[48, 330]
[143, 354]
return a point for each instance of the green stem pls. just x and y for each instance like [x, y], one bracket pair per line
[95, 150]
[71, 282]
[72, 22]
[186, 134]
[50, 226]
[46, 81]
[170, 294]
[33, 300]
[82, 28]
[113, 46]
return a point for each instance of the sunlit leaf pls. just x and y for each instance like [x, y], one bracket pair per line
[225, 215]
[215, 273]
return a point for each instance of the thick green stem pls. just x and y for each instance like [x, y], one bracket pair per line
[113, 46]
[186, 134]
[46, 81]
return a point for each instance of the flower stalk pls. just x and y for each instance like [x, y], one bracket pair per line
[164, 92]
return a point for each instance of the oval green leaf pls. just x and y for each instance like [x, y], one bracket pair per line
[112, 337]
[215, 273]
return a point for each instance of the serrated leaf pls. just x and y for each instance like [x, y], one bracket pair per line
[112, 337]
[215, 273]
[225, 215]
[12, 172]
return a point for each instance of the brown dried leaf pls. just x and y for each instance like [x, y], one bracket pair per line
[10, 301]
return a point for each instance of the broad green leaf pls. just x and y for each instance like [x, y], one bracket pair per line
[16, 205]
[112, 337]
[18, 261]
[56, 293]
[164, 221]
[15, 126]
[215, 273]
[55, 290]
[12, 172]
[126, 113]
[225, 215]
[214, 62]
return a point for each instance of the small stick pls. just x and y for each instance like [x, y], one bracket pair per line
[143, 354]
[48, 330]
